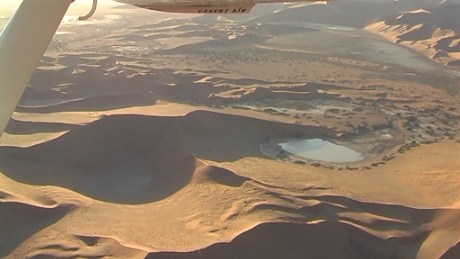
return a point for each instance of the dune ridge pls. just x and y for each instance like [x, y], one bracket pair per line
[384, 231]
[434, 31]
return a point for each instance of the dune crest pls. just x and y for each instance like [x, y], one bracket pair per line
[88, 247]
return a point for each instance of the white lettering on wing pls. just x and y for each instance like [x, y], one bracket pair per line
[222, 10]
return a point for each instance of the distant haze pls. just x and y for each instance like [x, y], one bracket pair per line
[8, 7]
[79, 7]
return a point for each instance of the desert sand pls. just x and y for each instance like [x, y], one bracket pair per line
[158, 137]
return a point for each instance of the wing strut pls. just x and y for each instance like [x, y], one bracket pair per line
[22, 44]
[91, 12]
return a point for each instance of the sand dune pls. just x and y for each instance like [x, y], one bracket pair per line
[431, 31]
[144, 153]
[345, 13]
[147, 161]
[384, 231]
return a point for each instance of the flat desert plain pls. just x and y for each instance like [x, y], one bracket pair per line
[170, 136]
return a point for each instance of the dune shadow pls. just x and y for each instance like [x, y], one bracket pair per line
[122, 159]
[31, 127]
[453, 253]
[139, 159]
[19, 221]
[99, 103]
[292, 240]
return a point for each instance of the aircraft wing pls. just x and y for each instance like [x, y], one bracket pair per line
[22, 44]
[202, 6]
